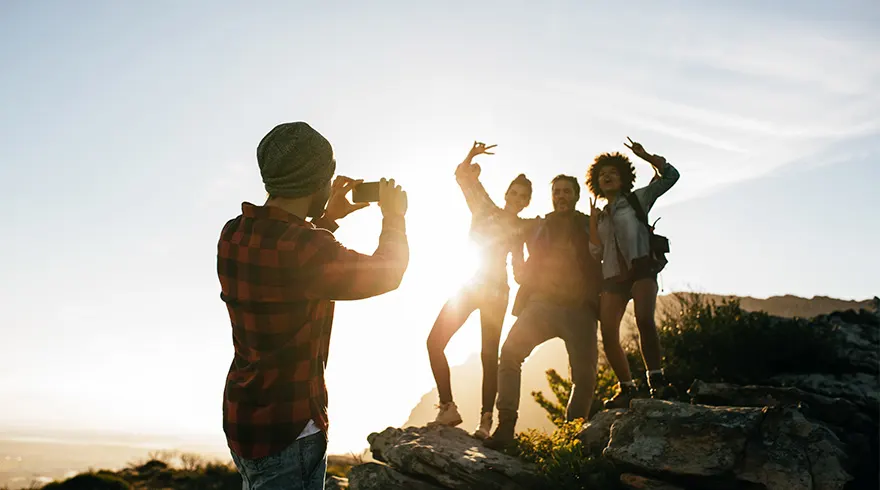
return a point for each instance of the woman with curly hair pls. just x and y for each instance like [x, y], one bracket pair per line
[619, 237]
[496, 231]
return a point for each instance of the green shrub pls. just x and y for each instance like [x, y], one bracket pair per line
[91, 481]
[723, 343]
[606, 386]
[715, 343]
[561, 462]
[561, 388]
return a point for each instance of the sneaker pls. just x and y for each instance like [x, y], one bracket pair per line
[661, 389]
[448, 415]
[625, 393]
[482, 431]
[503, 435]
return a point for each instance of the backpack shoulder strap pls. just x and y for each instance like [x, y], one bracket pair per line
[637, 207]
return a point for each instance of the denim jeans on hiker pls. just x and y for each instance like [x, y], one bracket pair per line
[301, 466]
[539, 322]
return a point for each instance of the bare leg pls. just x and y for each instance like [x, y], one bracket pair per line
[612, 307]
[492, 313]
[451, 318]
[645, 301]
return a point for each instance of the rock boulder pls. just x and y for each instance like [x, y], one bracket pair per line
[719, 446]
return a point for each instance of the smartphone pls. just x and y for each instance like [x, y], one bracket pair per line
[366, 192]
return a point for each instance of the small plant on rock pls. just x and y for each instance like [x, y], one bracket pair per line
[560, 459]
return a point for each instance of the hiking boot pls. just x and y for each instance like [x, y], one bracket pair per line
[625, 393]
[504, 433]
[448, 415]
[482, 431]
[661, 389]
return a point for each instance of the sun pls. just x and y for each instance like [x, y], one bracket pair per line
[441, 267]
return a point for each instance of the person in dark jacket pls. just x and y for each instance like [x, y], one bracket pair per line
[558, 298]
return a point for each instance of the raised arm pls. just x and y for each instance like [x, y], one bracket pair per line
[334, 272]
[666, 175]
[467, 175]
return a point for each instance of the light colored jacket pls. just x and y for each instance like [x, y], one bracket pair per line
[619, 226]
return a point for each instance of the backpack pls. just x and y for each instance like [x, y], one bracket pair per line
[658, 245]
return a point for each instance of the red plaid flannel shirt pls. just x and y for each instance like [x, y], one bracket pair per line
[279, 276]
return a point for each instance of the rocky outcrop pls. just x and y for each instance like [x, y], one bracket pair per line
[444, 457]
[857, 334]
[375, 476]
[655, 444]
[862, 389]
[713, 447]
[594, 436]
[839, 414]
[813, 431]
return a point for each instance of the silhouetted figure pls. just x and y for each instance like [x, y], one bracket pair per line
[495, 230]
[279, 276]
[621, 239]
[558, 297]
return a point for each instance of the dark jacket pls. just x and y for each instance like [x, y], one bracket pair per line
[539, 245]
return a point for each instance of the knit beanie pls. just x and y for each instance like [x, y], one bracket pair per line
[295, 160]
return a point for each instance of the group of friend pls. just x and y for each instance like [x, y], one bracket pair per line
[581, 271]
[281, 270]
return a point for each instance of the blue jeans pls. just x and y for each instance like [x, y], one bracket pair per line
[538, 323]
[301, 466]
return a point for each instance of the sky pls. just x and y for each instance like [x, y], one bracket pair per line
[128, 134]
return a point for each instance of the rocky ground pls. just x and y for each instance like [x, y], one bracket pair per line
[793, 431]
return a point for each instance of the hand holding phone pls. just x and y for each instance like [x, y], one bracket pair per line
[338, 205]
[392, 199]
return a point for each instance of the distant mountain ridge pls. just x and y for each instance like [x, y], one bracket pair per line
[466, 377]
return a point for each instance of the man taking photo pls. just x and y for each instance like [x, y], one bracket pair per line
[279, 276]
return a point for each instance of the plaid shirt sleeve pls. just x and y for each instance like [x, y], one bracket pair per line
[328, 270]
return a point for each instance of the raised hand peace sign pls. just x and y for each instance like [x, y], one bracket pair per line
[480, 148]
[637, 148]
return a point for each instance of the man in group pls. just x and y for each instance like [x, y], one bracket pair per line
[279, 275]
[558, 297]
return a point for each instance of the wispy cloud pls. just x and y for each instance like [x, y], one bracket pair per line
[737, 99]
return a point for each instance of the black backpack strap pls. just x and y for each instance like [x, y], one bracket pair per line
[637, 207]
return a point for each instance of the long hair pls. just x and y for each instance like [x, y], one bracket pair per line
[617, 160]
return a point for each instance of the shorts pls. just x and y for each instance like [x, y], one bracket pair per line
[623, 287]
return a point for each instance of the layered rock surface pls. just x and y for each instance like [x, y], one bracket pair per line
[810, 431]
